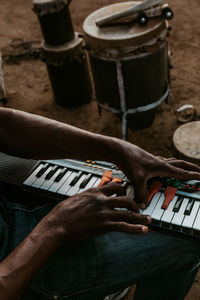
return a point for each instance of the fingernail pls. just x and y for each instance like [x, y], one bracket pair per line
[142, 206]
[149, 219]
[144, 229]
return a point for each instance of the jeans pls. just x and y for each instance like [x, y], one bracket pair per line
[162, 266]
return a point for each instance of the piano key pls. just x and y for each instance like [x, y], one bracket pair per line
[57, 185]
[154, 188]
[92, 183]
[96, 183]
[73, 190]
[52, 172]
[179, 216]
[130, 191]
[158, 210]
[149, 210]
[76, 178]
[196, 225]
[65, 186]
[48, 182]
[189, 207]
[32, 178]
[61, 174]
[39, 181]
[190, 219]
[41, 171]
[168, 213]
[170, 192]
[178, 204]
[85, 181]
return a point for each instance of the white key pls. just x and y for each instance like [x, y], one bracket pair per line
[168, 213]
[129, 189]
[131, 192]
[74, 189]
[65, 187]
[41, 179]
[97, 182]
[189, 220]
[91, 183]
[32, 178]
[56, 185]
[196, 224]
[158, 211]
[149, 210]
[46, 185]
[179, 216]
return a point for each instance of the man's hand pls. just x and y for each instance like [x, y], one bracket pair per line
[139, 166]
[93, 213]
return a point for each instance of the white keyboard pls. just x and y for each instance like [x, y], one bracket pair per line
[64, 178]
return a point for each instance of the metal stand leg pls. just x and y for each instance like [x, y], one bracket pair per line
[124, 127]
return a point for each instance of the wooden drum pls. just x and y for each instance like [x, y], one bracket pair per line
[130, 65]
[55, 21]
[68, 72]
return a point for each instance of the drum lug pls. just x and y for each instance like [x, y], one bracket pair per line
[167, 13]
[142, 18]
[170, 65]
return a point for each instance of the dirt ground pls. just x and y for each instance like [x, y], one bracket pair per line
[28, 87]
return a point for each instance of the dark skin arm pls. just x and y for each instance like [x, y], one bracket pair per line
[89, 214]
[82, 216]
[32, 136]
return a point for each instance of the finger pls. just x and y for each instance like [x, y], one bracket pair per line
[167, 158]
[112, 188]
[168, 170]
[127, 228]
[122, 202]
[130, 217]
[141, 193]
[184, 165]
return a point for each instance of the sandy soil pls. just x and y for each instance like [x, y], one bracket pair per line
[28, 87]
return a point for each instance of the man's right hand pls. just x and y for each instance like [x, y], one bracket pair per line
[93, 213]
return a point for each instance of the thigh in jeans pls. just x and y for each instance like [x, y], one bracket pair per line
[101, 266]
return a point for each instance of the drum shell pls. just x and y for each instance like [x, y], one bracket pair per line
[57, 26]
[129, 63]
[145, 78]
[69, 76]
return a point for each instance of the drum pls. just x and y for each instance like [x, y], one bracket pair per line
[186, 142]
[130, 66]
[68, 72]
[55, 21]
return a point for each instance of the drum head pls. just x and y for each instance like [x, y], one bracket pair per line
[120, 35]
[186, 141]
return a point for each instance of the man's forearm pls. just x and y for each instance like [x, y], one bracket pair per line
[37, 137]
[21, 266]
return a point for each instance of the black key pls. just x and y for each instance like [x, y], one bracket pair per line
[189, 207]
[76, 178]
[51, 173]
[85, 181]
[178, 204]
[41, 172]
[60, 175]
